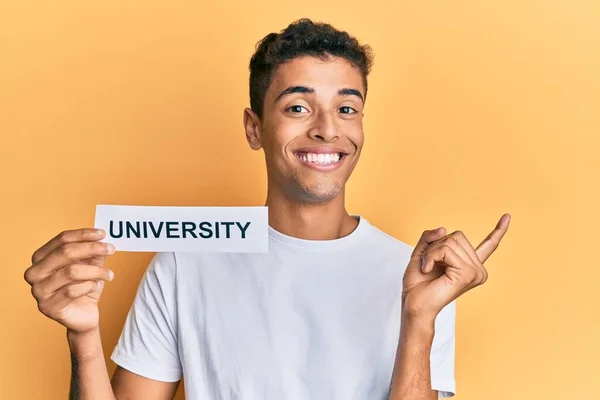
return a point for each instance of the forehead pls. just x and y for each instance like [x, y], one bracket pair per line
[323, 75]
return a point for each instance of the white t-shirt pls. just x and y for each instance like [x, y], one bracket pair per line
[307, 320]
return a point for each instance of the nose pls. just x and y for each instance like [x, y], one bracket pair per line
[325, 128]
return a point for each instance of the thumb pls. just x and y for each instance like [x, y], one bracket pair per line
[426, 239]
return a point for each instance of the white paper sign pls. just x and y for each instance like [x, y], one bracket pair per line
[185, 229]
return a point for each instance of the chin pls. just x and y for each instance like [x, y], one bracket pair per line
[318, 193]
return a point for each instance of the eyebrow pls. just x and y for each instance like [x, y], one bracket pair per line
[305, 89]
[350, 92]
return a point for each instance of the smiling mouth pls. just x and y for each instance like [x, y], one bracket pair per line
[320, 158]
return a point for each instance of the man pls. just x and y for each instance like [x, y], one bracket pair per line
[335, 310]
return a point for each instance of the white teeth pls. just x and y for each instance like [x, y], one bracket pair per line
[321, 158]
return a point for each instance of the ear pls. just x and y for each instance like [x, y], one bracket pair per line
[253, 129]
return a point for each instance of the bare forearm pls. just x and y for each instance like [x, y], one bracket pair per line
[89, 375]
[411, 379]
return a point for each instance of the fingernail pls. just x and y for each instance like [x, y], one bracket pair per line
[110, 249]
[100, 232]
[111, 275]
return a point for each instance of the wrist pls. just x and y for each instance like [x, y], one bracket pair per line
[420, 323]
[85, 345]
[418, 311]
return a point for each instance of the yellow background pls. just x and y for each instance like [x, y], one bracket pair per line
[475, 108]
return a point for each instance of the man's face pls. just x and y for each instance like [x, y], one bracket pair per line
[312, 131]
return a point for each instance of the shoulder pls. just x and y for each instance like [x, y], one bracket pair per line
[162, 267]
[163, 261]
[385, 241]
[167, 265]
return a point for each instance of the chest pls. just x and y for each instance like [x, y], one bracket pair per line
[311, 327]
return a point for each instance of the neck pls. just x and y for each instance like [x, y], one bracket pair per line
[320, 221]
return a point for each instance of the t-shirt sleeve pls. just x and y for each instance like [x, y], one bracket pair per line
[148, 343]
[442, 352]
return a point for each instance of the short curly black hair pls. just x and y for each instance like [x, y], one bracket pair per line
[302, 38]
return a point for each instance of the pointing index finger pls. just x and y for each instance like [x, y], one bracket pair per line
[491, 242]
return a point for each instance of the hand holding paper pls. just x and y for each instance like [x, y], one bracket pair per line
[67, 277]
[67, 274]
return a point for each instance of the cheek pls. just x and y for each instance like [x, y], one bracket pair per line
[279, 135]
[355, 134]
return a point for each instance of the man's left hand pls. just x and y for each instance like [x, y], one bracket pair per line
[442, 268]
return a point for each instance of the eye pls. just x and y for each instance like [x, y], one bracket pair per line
[297, 109]
[347, 110]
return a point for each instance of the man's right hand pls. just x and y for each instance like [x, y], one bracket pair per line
[67, 276]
